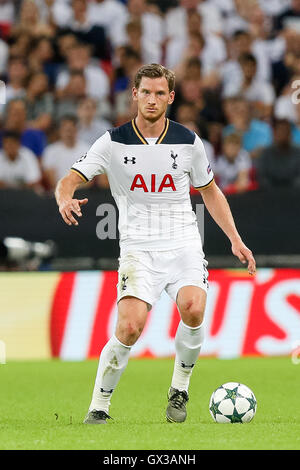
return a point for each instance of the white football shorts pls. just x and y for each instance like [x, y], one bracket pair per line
[145, 274]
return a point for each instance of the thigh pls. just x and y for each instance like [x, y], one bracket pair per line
[135, 278]
[132, 310]
[189, 270]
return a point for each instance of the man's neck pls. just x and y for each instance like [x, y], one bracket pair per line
[150, 129]
[70, 143]
[86, 121]
[247, 82]
[18, 127]
[11, 158]
[16, 84]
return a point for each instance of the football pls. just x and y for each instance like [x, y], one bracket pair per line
[232, 402]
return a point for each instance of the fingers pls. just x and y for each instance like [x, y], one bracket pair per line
[73, 207]
[247, 256]
[68, 217]
[76, 208]
[82, 202]
[242, 258]
[251, 266]
[240, 255]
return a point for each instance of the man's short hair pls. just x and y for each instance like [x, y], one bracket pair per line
[8, 134]
[69, 117]
[81, 45]
[247, 57]
[239, 33]
[16, 58]
[155, 71]
[194, 61]
[233, 138]
[130, 53]
[77, 73]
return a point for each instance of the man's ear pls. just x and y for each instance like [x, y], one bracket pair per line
[171, 97]
[134, 93]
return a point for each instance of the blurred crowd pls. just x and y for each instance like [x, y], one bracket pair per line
[68, 68]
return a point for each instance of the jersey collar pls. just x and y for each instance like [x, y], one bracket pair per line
[142, 138]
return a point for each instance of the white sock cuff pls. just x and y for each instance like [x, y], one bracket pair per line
[119, 342]
[193, 328]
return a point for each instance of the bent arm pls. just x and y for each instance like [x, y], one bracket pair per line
[64, 193]
[219, 209]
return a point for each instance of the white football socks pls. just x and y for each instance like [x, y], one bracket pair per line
[112, 363]
[188, 342]
[115, 355]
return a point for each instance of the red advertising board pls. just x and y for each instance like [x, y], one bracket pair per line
[244, 315]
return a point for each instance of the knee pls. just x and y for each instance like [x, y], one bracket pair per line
[192, 312]
[129, 331]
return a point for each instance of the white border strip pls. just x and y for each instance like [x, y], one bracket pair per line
[81, 316]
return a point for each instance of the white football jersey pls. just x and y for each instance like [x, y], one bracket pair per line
[151, 183]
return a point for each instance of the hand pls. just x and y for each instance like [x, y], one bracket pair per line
[67, 208]
[245, 255]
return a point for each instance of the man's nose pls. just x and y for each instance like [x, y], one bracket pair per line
[152, 98]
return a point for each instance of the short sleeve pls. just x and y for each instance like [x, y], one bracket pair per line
[96, 161]
[201, 174]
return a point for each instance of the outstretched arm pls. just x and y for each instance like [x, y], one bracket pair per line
[219, 209]
[64, 197]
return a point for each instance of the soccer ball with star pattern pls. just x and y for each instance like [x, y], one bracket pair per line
[232, 403]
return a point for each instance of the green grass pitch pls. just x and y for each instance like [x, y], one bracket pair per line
[42, 405]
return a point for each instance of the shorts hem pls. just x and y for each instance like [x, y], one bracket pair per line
[186, 284]
[140, 297]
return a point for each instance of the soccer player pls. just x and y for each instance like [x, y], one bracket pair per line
[150, 163]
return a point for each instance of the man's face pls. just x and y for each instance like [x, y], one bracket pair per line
[79, 7]
[186, 113]
[68, 131]
[241, 109]
[249, 69]
[231, 150]
[189, 4]
[17, 70]
[78, 58]
[11, 147]
[194, 22]
[191, 90]
[242, 43]
[87, 109]
[136, 7]
[77, 86]
[153, 97]
[66, 43]
[16, 115]
[29, 12]
[195, 46]
[38, 84]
